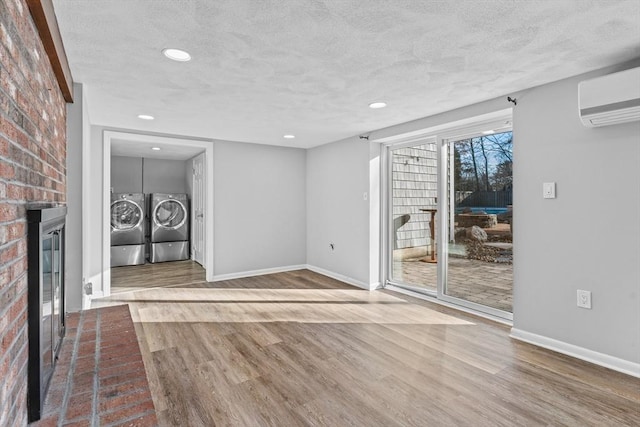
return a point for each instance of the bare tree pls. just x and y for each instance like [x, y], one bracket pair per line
[484, 162]
[487, 186]
[472, 150]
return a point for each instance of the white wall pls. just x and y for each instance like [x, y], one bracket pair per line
[589, 237]
[337, 178]
[259, 207]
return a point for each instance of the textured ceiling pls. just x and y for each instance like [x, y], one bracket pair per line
[264, 68]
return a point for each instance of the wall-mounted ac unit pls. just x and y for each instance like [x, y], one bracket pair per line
[610, 99]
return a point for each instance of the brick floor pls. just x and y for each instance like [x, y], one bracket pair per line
[100, 378]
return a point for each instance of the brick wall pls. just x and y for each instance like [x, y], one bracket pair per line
[415, 186]
[32, 169]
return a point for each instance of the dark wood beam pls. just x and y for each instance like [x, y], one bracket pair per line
[45, 19]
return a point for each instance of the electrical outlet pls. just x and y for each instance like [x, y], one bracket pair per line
[584, 299]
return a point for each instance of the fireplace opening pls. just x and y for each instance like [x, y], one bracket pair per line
[46, 298]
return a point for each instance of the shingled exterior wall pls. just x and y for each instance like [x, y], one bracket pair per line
[32, 170]
[415, 187]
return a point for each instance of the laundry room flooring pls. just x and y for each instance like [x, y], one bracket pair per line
[162, 274]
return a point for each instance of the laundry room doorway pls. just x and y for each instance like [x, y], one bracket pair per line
[178, 225]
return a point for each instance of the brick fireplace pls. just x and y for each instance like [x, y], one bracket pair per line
[32, 170]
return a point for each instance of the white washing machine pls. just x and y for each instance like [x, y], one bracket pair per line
[127, 229]
[169, 222]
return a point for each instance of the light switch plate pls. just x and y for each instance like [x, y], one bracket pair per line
[549, 190]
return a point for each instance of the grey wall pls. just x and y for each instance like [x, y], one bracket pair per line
[137, 175]
[278, 207]
[94, 212]
[126, 174]
[188, 177]
[73, 260]
[589, 237]
[260, 210]
[164, 176]
[337, 178]
[259, 207]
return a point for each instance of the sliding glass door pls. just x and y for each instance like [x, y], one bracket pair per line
[450, 217]
[413, 170]
[479, 206]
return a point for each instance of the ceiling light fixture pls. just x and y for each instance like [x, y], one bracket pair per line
[288, 136]
[488, 132]
[376, 105]
[155, 148]
[145, 117]
[177, 55]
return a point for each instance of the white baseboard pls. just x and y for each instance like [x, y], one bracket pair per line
[343, 278]
[318, 270]
[86, 302]
[242, 274]
[86, 299]
[611, 362]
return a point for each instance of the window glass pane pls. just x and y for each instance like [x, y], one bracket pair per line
[480, 247]
[413, 192]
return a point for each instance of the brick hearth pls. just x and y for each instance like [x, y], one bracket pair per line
[100, 377]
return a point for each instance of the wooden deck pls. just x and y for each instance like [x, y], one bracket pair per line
[489, 284]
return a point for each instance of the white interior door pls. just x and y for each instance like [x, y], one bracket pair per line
[198, 210]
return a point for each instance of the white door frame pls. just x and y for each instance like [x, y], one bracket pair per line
[207, 147]
[198, 193]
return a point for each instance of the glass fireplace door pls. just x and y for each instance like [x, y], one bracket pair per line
[47, 323]
[52, 301]
[57, 279]
[46, 307]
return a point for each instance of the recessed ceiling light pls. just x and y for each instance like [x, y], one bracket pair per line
[376, 105]
[177, 55]
[145, 117]
[288, 136]
[155, 148]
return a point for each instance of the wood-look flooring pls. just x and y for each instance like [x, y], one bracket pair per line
[163, 274]
[301, 349]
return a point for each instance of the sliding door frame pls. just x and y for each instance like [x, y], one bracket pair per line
[444, 196]
[443, 135]
[388, 208]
